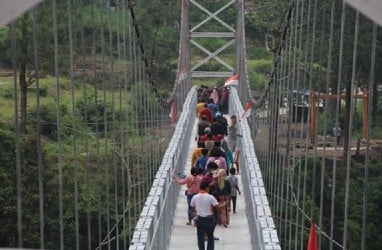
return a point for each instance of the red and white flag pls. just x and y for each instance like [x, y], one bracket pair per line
[312, 242]
[247, 111]
[232, 81]
[173, 113]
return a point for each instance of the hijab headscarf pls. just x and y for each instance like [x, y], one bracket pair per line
[221, 178]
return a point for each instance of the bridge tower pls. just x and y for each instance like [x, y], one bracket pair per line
[212, 29]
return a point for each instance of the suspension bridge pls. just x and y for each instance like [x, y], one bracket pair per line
[88, 148]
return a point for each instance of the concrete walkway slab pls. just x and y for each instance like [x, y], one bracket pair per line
[235, 236]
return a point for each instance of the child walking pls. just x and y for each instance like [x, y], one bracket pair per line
[234, 187]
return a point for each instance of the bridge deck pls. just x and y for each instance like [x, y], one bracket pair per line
[184, 236]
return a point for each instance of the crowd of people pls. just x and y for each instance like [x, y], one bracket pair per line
[212, 185]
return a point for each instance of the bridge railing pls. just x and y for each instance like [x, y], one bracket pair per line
[153, 229]
[260, 220]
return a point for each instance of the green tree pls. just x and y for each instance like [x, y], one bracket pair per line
[268, 18]
[159, 25]
[25, 49]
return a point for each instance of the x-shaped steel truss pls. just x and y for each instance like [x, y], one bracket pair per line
[212, 55]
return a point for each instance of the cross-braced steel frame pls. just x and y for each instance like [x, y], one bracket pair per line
[195, 31]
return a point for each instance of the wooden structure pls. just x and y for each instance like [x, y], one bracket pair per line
[315, 97]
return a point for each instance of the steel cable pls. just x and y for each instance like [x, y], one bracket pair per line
[367, 155]
[350, 131]
[114, 132]
[97, 125]
[17, 140]
[74, 126]
[38, 130]
[58, 121]
[161, 100]
[307, 69]
[105, 129]
[313, 44]
[334, 175]
[278, 53]
[285, 165]
[300, 104]
[328, 71]
[293, 118]
[85, 84]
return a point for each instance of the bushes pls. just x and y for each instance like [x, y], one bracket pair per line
[7, 187]
[258, 52]
[48, 120]
[258, 72]
[95, 112]
[8, 93]
[41, 91]
[257, 80]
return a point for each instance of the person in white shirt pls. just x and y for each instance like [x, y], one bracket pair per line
[204, 205]
[233, 133]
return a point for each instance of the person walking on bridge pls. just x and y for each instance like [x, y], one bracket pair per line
[224, 100]
[193, 182]
[234, 187]
[233, 133]
[222, 192]
[204, 205]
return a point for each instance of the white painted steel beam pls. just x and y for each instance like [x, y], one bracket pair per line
[12, 9]
[212, 15]
[211, 74]
[197, 32]
[213, 55]
[213, 34]
[370, 8]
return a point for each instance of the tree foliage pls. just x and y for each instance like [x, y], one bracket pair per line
[159, 25]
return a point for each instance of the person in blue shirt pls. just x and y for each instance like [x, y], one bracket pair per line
[212, 107]
[201, 162]
[228, 153]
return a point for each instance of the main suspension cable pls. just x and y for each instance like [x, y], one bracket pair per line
[148, 71]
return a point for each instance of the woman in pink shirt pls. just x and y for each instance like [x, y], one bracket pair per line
[193, 182]
[217, 154]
